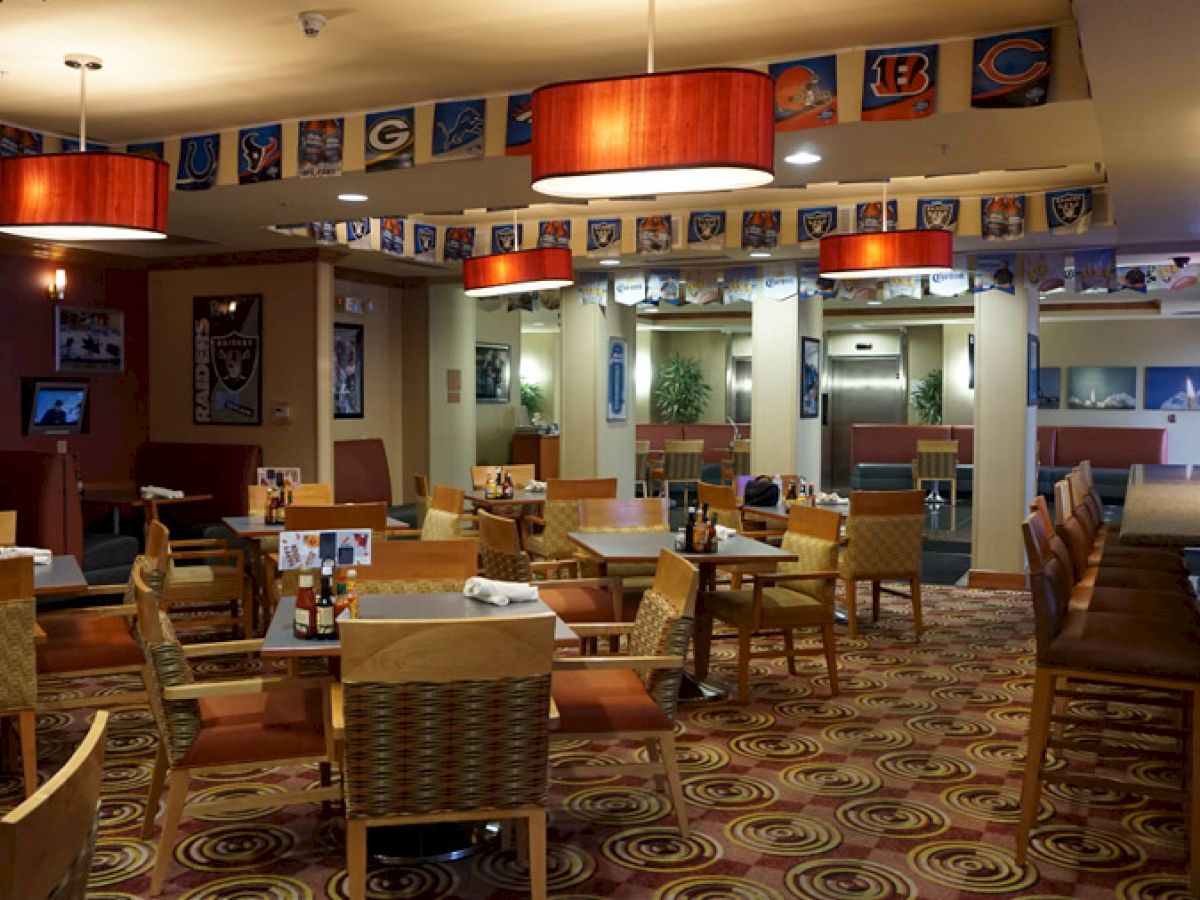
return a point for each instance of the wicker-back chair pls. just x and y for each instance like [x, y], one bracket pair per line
[936, 461]
[682, 461]
[641, 467]
[741, 457]
[46, 843]
[634, 697]
[561, 515]
[18, 675]
[409, 567]
[446, 721]
[646, 514]
[317, 493]
[204, 578]
[883, 542]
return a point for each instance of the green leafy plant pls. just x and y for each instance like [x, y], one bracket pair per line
[926, 398]
[681, 392]
[533, 398]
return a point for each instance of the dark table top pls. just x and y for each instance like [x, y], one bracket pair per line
[644, 546]
[780, 511]
[1162, 506]
[254, 526]
[280, 642]
[519, 498]
[62, 576]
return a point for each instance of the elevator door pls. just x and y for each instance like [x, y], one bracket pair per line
[740, 388]
[861, 389]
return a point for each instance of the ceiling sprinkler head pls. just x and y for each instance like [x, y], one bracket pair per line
[311, 23]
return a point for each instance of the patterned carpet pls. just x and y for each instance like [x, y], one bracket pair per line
[905, 785]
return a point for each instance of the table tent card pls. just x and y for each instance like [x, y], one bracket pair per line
[269, 477]
[307, 549]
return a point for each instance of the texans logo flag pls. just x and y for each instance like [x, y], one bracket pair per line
[458, 129]
[1003, 217]
[16, 141]
[937, 214]
[391, 235]
[198, 158]
[518, 133]
[320, 148]
[760, 229]
[805, 93]
[555, 233]
[868, 217]
[1011, 69]
[706, 229]
[1069, 211]
[425, 243]
[388, 140]
[899, 83]
[604, 237]
[653, 235]
[460, 243]
[506, 238]
[815, 223]
[358, 233]
[260, 154]
[150, 149]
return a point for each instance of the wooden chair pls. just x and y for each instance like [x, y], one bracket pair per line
[211, 581]
[641, 467]
[46, 843]
[315, 494]
[633, 697]
[336, 515]
[647, 514]
[682, 461]
[799, 595]
[722, 501]
[561, 515]
[739, 465]
[444, 518]
[522, 474]
[936, 461]
[421, 491]
[18, 675]
[883, 543]
[423, 741]
[214, 727]
[409, 567]
[8, 527]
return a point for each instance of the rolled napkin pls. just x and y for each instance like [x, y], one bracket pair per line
[829, 499]
[724, 534]
[159, 493]
[536, 487]
[499, 593]
[40, 556]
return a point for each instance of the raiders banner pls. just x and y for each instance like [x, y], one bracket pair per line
[592, 288]
[706, 230]
[518, 128]
[815, 223]
[320, 148]
[507, 238]
[555, 233]
[388, 140]
[937, 214]
[1003, 217]
[358, 234]
[425, 243]
[899, 83]
[760, 229]
[805, 93]
[604, 238]
[391, 236]
[868, 217]
[653, 235]
[227, 360]
[1011, 69]
[198, 158]
[260, 154]
[1069, 211]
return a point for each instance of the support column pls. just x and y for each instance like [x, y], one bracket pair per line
[451, 385]
[323, 355]
[781, 441]
[591, 446]
[1005, 477]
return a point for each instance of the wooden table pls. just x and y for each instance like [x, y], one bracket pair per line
[781, 510]
[1162, 506]
[124, 500]
[62, 576]
[253, 527]
[522, 498]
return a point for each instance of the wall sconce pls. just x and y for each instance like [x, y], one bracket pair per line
[56, 288]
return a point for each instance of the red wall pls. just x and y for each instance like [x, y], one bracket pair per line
[118, 403]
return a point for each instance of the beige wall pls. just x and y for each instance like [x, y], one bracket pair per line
[410, 342]
[958, 401]
[494, 422]
[451, 348]
[924, 355]
[539, 364]
[290, 356]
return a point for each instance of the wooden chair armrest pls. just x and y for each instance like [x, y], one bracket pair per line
[198, 542]
[548, 568]
[758, 535]
[553, 715]
[601, 629]
[575, 663]
[201, 690]
[128, 610]
[173, 501]
[609, 583]
[235, 555]
[769, 578]
[221, 648]
[535, 520]
[106, 590]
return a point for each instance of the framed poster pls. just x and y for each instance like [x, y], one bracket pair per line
[618, 368]
[493, 367]
[1102, 387]
[347, 371]
[89, 340]
[227, 360]
[1049, 387]
[810, 378]
[1033, 363]
[1172, 388]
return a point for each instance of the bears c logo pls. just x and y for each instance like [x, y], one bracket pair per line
[901, 75]
[1015, 61]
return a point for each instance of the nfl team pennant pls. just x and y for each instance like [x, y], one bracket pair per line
[937, 214]
[198, 158]
[260, 154]
[805, 93]
[388, 140]
[1011, 69]
[1069, 211]
[760, 229]
[458, 129]
[506, 238]
[603, 238]
[555, 233]
[868, 217]
[899, 83]
[358, 233]
[706, 230]
[518, 131]
[425, 243]
[816, 222]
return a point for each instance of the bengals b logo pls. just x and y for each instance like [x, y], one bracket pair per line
[901, 75]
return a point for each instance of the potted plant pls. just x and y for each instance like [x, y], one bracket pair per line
[681, 392]
[533, 398]
[926, 398]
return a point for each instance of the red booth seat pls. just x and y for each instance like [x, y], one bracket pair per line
[223, 470]
[43, 489]
[892, 443]
[360, 472]
[717, 437]
[965, 435]
[1110, 448]
[657, 433]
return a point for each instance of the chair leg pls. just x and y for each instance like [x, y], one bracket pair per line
[915, 585]
[851, 589]
[176, 795]
[744, 635]
[702, 644]
[521, 842]
[666, 745]
[1039, 732]
[537, 854]
[356, 858]
[789, 647]
[829, 640]
[27, 725]
[875, 591]
[155, 794]
[654, 754]
[1193, 797]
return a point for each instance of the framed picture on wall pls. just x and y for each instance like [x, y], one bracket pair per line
[1049, 387]
[810, 378]
[1033, 362]
[89, 340]
[227, 360]
[618, 379]
[1102, 387]
[1172, 388]
[493, 370]
[347, 371]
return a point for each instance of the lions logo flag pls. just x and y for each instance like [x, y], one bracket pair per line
[320, 148]
[868, 217]
[260, 154]
[555, 233]
[16, 141]
[629, 288]
[518, 133]
[815, 223]
[760, 229]
[805, 93]
[388, 140]
[592, 288]
[198, 158]
[391, 235]
[425, 243]
[460, 243]
[604, 238]
[1011, 69]
[1069, 211]
[938, 214]
[653, 235]
[706, 229]
[458, 129]
[1003, 217]
[507, 238]
[899, 83]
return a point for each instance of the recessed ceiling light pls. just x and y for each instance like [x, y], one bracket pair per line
[856, 325]
[802, 158]
[353, 198]
[610, 262]
[760, 254]
[874, 303]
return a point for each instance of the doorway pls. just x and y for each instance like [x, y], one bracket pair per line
[861, 389]
[740, 384]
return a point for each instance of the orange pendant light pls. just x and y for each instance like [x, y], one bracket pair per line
[887, 253]
[516, 273]
[84, 196]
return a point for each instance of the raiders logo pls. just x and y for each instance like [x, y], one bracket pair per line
[937, 216]
[506, 240]
[1069, 208]
[425, 237]
[603, 234]
[236, 357]
[357, 229]
[817, 224]
[706, 226]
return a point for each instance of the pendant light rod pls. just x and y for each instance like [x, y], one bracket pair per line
[650, 40]
[84, 64]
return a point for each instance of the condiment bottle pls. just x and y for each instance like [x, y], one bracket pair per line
[689, 531]
[352, 592]
[326, 630]
[304, 622]
[341, 600]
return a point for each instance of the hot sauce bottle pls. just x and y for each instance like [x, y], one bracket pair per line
[304, 623]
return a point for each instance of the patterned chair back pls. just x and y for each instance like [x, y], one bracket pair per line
[883, 535]
[663, 626]
[741, 457]
[641, 459]
[18, 670]
[450, 715]
[937, 459]
[682, 459]
[648, 514]
[66, 810]
[722, 500]
[500, 549]
[8, 527]
[411, 567]
[812, 534]
[561, 512]
[316, 494]
[336, 515]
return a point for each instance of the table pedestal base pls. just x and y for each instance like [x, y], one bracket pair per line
[693, 690]
[397, 845]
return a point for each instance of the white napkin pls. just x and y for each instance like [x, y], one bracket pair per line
[824, 499]
[536, 487]
[499, 593]
[724, 534]
[159, 493]
[40, 557]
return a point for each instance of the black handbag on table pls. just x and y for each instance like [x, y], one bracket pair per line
[762, 491]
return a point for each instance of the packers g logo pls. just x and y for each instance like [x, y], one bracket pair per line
[901, 75]
[390, 136]
[1002, 63]
[1068, 208]
[818, 224]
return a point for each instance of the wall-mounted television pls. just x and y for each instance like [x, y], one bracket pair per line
[54, 406]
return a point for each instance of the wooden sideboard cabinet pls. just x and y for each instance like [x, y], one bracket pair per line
[539, 449]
